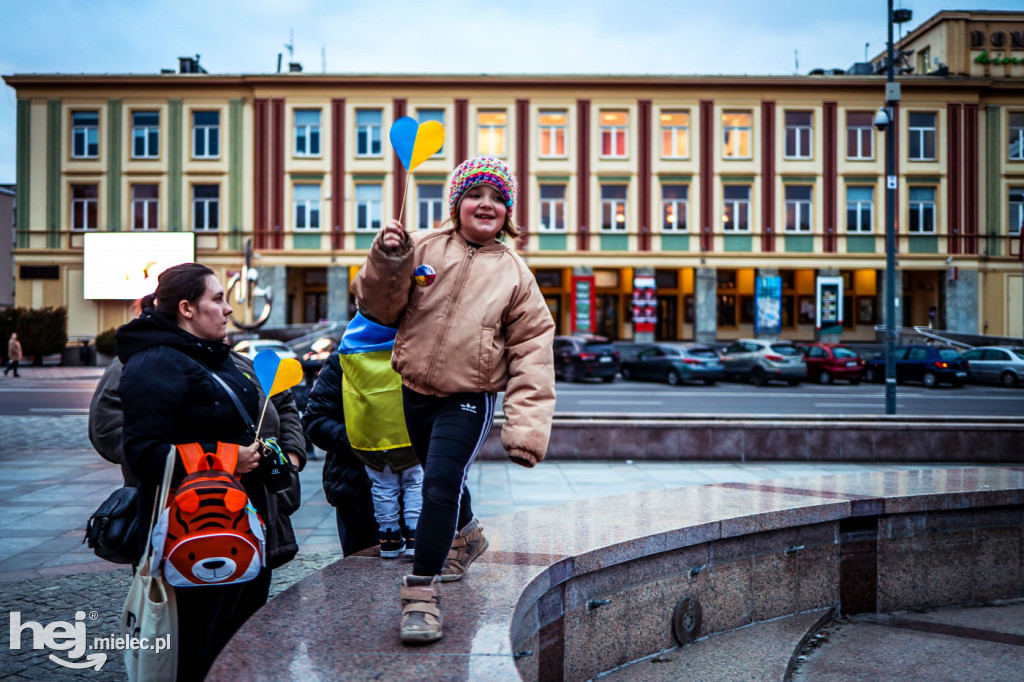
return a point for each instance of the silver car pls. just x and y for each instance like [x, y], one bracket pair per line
[760, 361]
[1001, 365]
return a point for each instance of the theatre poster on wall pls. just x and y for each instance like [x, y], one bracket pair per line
[768, 305]
[829, 314]
[583, 301]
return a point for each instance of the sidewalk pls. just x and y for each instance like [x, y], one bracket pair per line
[47, 372]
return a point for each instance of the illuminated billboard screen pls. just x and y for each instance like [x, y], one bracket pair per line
[125, 265]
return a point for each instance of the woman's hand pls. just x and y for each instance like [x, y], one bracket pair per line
[248, 458]
[393, 235]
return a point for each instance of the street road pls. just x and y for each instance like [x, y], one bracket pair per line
[54, 397]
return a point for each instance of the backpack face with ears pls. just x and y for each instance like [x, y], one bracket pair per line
[210, 533]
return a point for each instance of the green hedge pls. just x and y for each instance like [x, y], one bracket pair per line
[106, 344]
[42, 331]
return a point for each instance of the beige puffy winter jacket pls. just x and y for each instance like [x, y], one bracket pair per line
[481, 325]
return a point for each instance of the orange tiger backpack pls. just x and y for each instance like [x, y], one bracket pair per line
[209, 534]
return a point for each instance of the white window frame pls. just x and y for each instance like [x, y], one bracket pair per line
[311, 206]
[490, 130]
[860, 130]
[142, 204]
[146, 132]
[678, 207]
[552, 207]
[549, 134]
[1015, 216]
[306, 132]
[678, 135]
[368, 135]
[429, 210]
[739, 133]
[922, 135]
[864, 211]
[88, 133]
[210, 206]
[740, 207]
[206, 132]
[1015, 135]
[373, 207]
[923, 207]
[614, 207]
[800, 130]
[615, 133]
[801, 209]
[81, 207]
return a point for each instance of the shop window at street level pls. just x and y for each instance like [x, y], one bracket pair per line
[860, 136]
[859, 209]
[490, 127]
[205, 207]
[205, 134]
[673, 207]
[614, 134]
[921, 136]
[736, 135]
[798, 208]
[552, 134]
[84, 206]
[736, 208]
[552, 208]
[145, 207]
[368, 130]
[613, 208]
[307, 207]
[1016, 140]
[922, 210]
[675, 135]
[145, 134]
[798, 134]
[307, 132]
[85, 134]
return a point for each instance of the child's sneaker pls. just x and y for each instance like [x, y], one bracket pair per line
[468, 545]
[391, 543]
[410, 546]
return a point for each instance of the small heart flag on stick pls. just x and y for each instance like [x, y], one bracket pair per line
[275, 374]
[414, 143]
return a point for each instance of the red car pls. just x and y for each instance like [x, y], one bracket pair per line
[827, 362]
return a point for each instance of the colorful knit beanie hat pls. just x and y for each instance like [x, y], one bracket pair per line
[483, 170]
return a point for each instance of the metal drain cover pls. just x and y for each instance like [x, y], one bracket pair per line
[686, 620]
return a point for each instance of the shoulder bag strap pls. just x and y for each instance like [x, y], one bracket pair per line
[242, 412]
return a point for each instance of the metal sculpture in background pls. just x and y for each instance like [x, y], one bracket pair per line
[243, 289]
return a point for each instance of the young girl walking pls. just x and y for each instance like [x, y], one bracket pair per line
[472, 323]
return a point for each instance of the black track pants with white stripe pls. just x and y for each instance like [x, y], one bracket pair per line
[446, 434]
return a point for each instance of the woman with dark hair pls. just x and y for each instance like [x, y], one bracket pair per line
[169, 396]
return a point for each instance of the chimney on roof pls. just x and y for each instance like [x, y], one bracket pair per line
[190, 65]
[294, 67]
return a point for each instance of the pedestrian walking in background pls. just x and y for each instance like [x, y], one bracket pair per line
[471, 323]
[13, 354]
[356, 406]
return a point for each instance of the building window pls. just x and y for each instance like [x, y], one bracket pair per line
[368, 126]
[307, 207]
[552, 134]
[613, 208]
[924, 61]
[860, 138]
[490, 127]
[922, 137]
[205, 134]
[423, 115]
[673, 207]
[430, 204]
[736, 208]
[205, 207]
[85, 134]
[735, 135]
[675, 135]
[1016, 214]
[84, 206]
[145, 134]
[307, 133]
[922, 210]
[552, 208]
[145, 207]
[368, 205]
[614, 132]
[798, 134]
[798, 208]
[1017, 136]
[860, 203]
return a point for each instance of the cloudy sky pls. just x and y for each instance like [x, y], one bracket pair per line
[450, 36]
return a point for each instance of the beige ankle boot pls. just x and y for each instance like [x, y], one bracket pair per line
[468, 545]
[421, 610]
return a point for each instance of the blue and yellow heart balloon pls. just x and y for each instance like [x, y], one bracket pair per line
[276, 374]
[415, 142]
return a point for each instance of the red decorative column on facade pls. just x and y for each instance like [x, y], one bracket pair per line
[644, 174]
[970, 179]
[461, 130]
[707, 193]
[830, 181]
[397, 169]
[338, 173]
[768, 177]
[259, 166]
[522, 170]
[954, 163]
[583, 174]
[277, 145]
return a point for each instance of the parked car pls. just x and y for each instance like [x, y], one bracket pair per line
[760, 360]
[931, 365]
[674, 364]
[251, 347]
[585, 357]
[827, 362]
[1002, 365]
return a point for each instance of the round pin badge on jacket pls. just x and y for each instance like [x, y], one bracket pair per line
[424, 275]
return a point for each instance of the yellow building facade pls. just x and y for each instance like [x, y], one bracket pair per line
[700, 184]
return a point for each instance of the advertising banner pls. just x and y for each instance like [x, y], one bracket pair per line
[583, 301]
[829, 312]
[768, 305]
[645, 304]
